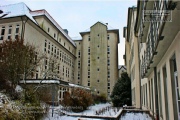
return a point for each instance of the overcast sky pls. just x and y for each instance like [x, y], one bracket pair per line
[79, 15]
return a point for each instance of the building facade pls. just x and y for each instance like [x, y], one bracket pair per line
[158, 57]
[97, 58]
[131, 56]
[90, 61]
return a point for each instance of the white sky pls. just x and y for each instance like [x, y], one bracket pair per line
[79, 15]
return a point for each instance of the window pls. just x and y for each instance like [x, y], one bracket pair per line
[49, 47]
[108, 50]
[64, 44]
[79, 64]
[48, 29]
[89, 61]
[98, 69]
[108, 61]
[108, 74]
[78, 75]
[98, 81]
[17, 31]
[45, 44]
[88, 83]
[36, 74]
[9, 32]
[79, 54]
[108, 37]
[88, 50]
[89, 38]
[63, 70]
[52, 49]
[2, 33]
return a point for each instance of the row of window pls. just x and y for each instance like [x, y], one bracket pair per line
[108, 37]
[9, 30]
[59, 40]
[51, 49]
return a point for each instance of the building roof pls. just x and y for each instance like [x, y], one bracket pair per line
[76, 38]
[21, 9]
[14, 10]
[52, 81]
[106, 24]
[78, 86]
[45, 13]
[121, 66]
[44, 81]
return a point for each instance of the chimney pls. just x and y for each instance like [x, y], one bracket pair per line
[66, 31]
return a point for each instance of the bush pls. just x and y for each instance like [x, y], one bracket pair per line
[99, 98]
[79, 100]
[31, 105]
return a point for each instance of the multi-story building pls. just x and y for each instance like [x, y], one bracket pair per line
[131, 56]
[157, 29]
[91, 61]
[97, 58]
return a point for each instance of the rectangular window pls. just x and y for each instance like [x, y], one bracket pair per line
[79, 53]
[9, 32]
[88, 50]
[160, 96]
[108, 50]
[108, 37]
[2, 33]
[166, 92]
[17, 32]
[108, 61]
[88, 83]
[89, 38]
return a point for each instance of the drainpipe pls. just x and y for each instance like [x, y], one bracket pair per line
[22, 36]
[23, 27]
[156, 94]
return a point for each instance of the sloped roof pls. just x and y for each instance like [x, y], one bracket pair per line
[45, 13]
[106, 24]
[20, 9]
[121, 66]
[14, 10]
[76, 38]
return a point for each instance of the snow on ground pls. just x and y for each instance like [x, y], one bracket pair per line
[135, 116]
[91, 111]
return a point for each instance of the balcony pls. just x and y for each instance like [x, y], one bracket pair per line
[159, 38]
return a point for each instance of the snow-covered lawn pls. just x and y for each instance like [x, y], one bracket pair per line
[90, 112]
[135, 116]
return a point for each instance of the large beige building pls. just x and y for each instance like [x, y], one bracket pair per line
[91, 61]
[157, 42]
[97, 58]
